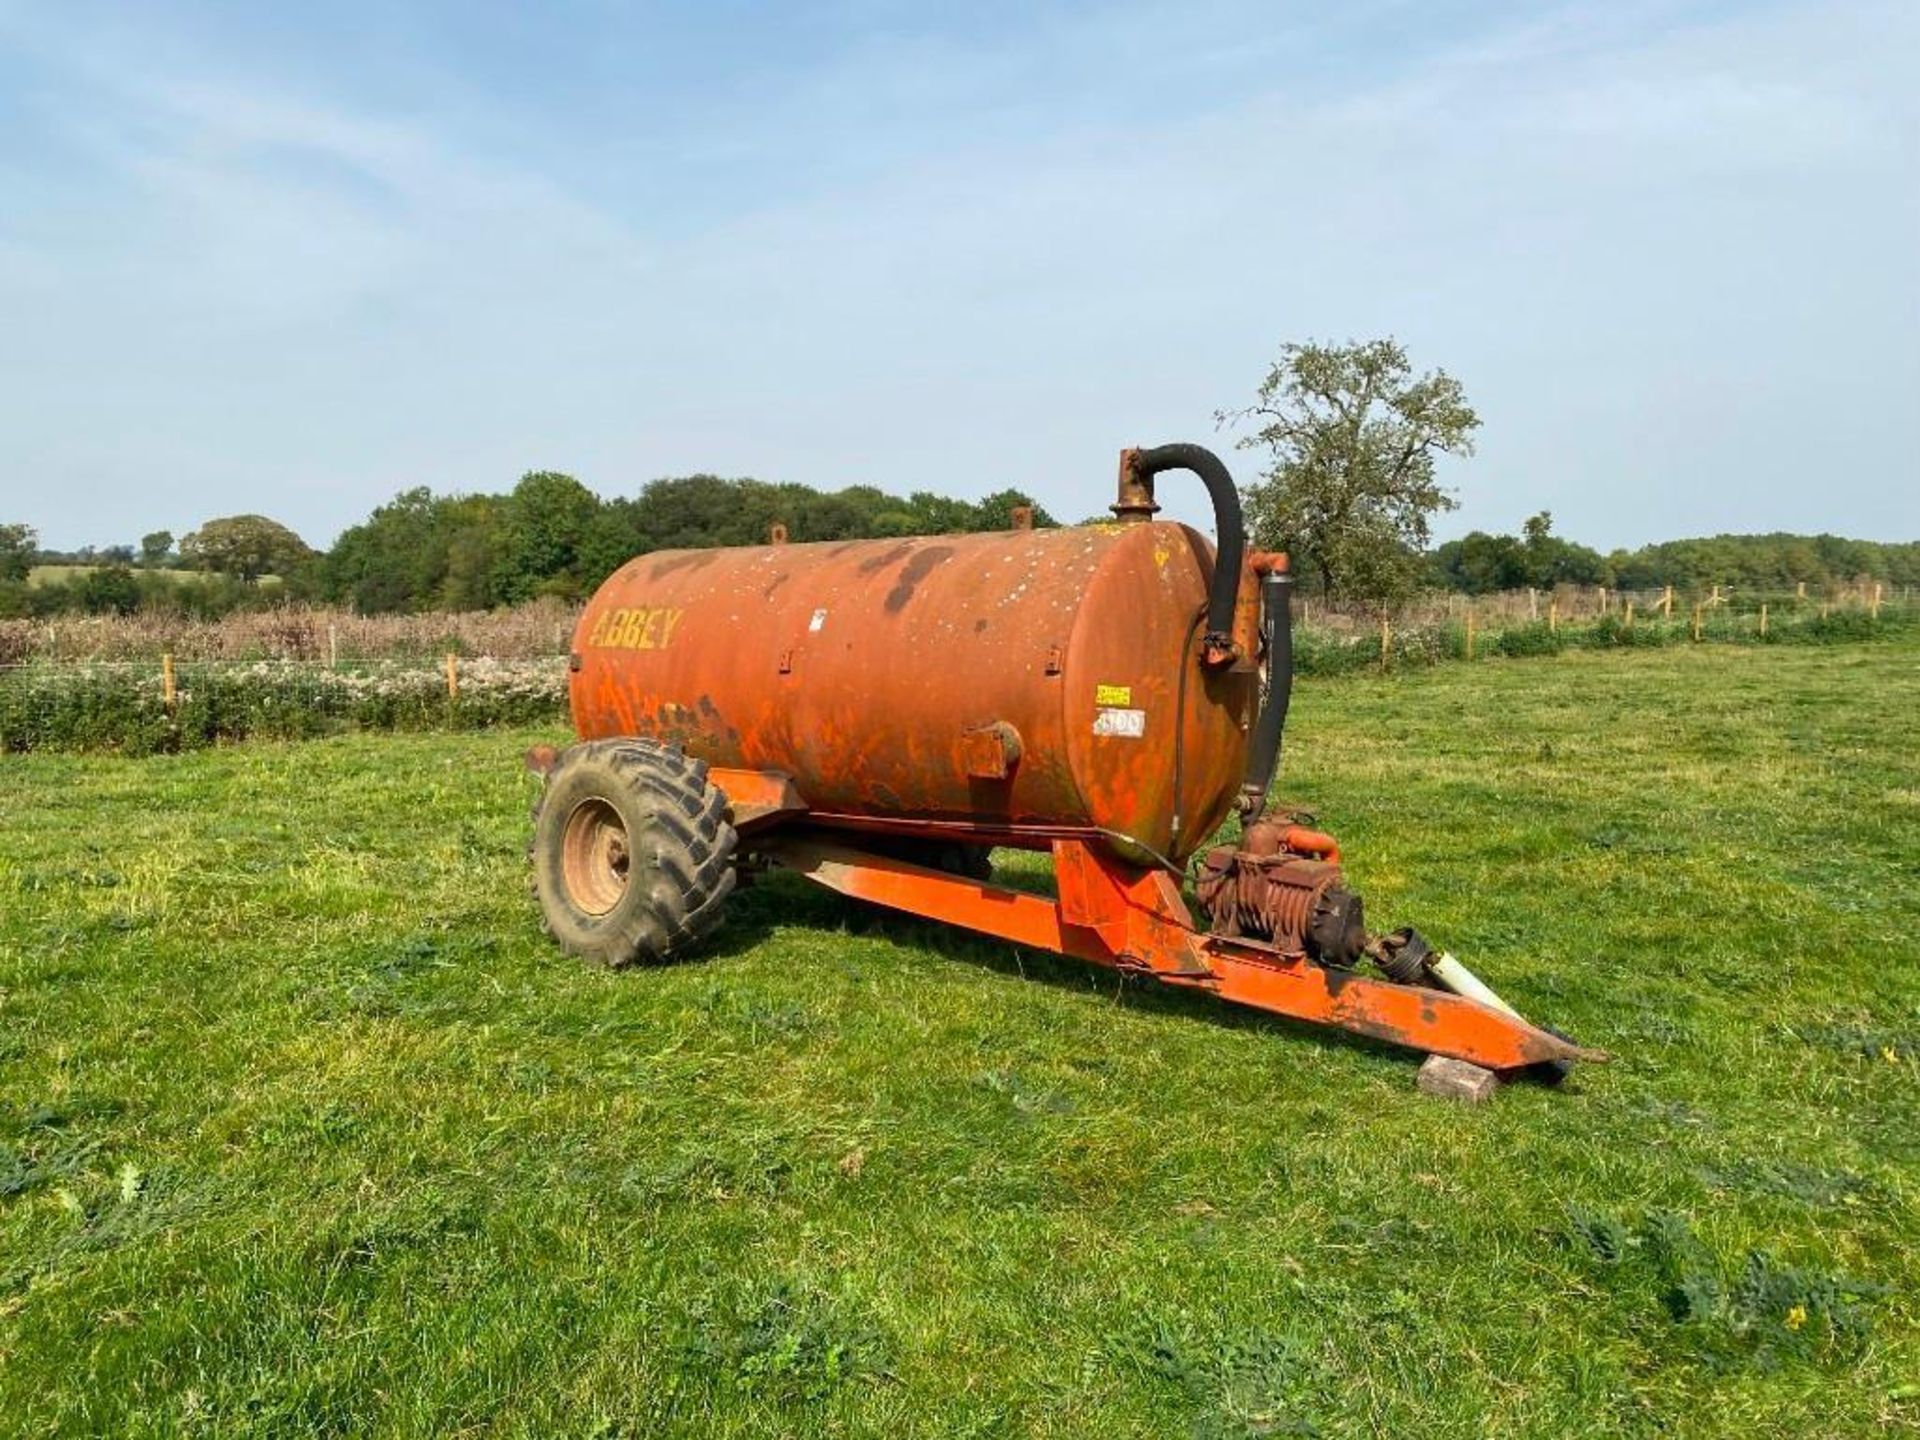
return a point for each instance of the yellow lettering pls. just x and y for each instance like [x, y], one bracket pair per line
[639, 628]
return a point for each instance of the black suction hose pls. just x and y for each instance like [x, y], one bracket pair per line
[1232, 547]
[1263, 755]
[1276, 603]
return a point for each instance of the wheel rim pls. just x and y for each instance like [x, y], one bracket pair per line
[594, 856]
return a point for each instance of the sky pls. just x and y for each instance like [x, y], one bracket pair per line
[296, 259]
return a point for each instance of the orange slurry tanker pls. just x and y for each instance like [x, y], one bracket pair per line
[878, 715]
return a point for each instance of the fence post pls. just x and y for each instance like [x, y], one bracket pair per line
[1696, 621]
[1876, 599]
[1801, 592]
[167, 693]
[1553, 615]
[1533, 603]
[1666, 603]
[1763, 619]
[453, 676]
[333, 646]
[1469, 631]
[1626, 619]
[1386, 640]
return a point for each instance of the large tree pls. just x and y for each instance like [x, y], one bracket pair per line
[419, 551]
[246, 546]
[1350, 434]
[547, 536]
[19, 545]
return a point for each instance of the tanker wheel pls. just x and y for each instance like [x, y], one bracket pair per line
[632, 852]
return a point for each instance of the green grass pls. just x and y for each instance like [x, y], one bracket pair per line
[304, 1128]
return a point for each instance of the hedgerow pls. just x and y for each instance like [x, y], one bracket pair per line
[1320, 652]
[112, 708]
[121, 707]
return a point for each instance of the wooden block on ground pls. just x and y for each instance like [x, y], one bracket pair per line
[1459, 1079]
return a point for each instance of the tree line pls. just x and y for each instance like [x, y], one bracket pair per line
[1350, 436]
[1481, 564]
[549, 535]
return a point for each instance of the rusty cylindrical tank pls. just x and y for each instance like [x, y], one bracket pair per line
[1009, 688]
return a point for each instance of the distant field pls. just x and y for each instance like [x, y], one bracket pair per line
[53, 574]
[305, 1128]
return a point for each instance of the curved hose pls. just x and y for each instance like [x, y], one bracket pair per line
[1231, 549]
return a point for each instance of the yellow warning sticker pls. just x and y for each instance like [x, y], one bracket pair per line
[1113, 695]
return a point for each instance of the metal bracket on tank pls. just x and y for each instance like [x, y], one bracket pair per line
[991, 752]
[757, 798]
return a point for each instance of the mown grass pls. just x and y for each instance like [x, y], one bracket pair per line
[304, 1128]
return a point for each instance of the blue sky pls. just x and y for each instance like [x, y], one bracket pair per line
[294, 259]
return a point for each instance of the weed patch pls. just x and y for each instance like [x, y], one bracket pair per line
[1026, 1095]
[1865, 1041]
[787, 1342]
[1760, 1310]
[1807, 1184]
[1233, 1387]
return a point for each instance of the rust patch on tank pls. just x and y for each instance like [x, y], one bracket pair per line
[885, 558]
[917, 569]
[691, 561]
[690, 726]
[861, 684]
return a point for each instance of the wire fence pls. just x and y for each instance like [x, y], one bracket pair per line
[143, 708]
[51, 698]
[1574, 603]
[344, 640]
[314, 634]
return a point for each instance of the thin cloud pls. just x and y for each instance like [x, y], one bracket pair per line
[966, 259]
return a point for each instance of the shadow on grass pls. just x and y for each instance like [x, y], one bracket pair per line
[779, 900]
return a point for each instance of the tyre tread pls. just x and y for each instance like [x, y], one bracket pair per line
[681, 853]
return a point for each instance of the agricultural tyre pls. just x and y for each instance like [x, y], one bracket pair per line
[632, 852]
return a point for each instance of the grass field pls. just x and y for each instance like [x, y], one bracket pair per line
[304, 1128]
[56, 574]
